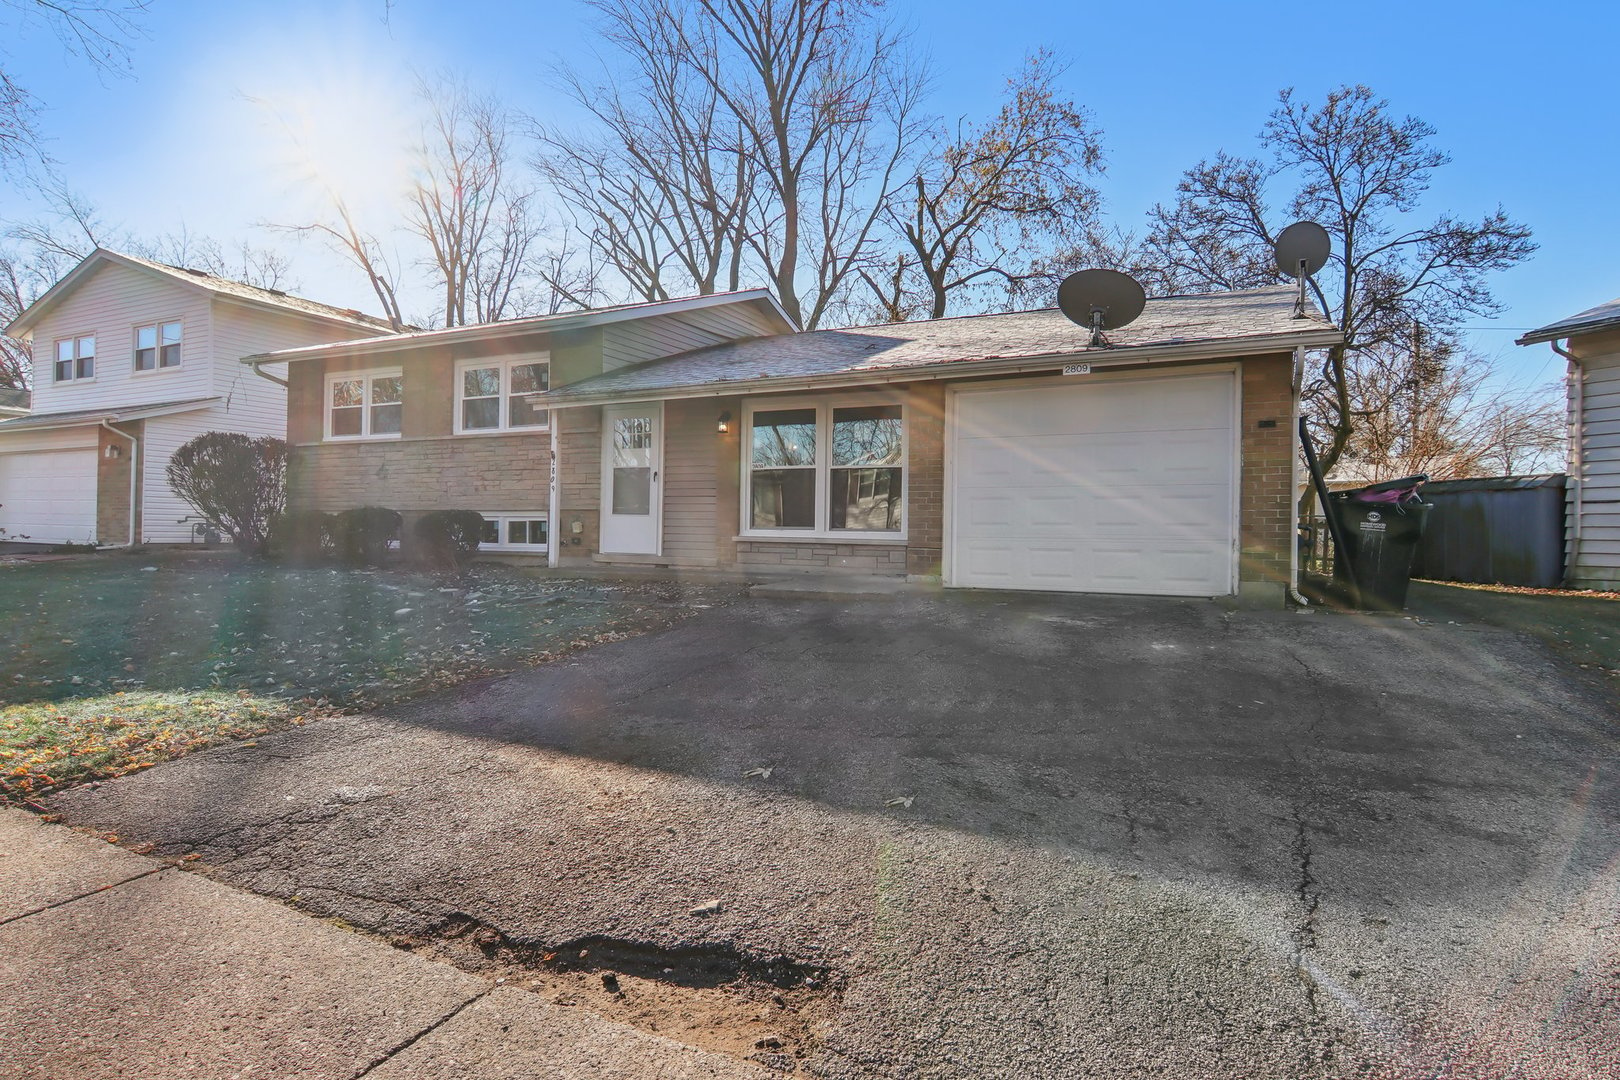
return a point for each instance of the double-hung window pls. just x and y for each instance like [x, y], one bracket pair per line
[157, 346]
[75, 358]
[364, 404]
[501, 395]
[834, 468]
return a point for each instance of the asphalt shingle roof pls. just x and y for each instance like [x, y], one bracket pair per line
[1602, 317]
[1249, 315]
[106, 412]
[273, 297]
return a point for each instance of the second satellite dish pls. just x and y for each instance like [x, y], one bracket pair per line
[1101, 300]
[1303, 249]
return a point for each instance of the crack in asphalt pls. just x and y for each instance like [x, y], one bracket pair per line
[1317, 1050]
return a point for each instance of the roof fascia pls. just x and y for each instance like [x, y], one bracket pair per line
[548, 324]
[1225, 349]
[31, 315]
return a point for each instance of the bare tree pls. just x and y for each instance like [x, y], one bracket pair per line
[749, 142]
[1439, 409]
[991, 203]
[479, 222]
[1361, 171]
[97, 31]
[363, 248]
[657, 198]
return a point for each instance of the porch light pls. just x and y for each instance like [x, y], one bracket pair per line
[724, 424]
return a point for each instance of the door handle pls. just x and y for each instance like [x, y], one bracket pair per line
[655, 476]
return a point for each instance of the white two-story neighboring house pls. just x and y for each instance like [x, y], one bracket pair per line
[132, 358]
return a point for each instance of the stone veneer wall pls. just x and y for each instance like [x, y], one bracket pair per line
[413, 476]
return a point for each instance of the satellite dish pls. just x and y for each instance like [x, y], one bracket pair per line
[1303, 249]
[1101, 300]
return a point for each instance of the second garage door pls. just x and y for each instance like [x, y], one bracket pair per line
[48, 496]
[1113, 486]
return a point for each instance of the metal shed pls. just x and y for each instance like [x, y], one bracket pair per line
[1504, 530]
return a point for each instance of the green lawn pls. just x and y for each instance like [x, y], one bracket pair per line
[113, 662]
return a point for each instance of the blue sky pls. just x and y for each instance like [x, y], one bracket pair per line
[1528, 120]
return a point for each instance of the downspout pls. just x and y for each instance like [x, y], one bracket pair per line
[261, 373]
[1577, 462]
[134, 464]
[1293, 486]
[553, 537]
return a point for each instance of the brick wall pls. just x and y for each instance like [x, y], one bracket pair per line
[1266, 494]
[925, 479]
[112, 486]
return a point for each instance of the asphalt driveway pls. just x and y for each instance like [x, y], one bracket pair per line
[999, 836]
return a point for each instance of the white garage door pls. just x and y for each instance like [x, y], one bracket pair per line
[1114, 486]
[48, 497]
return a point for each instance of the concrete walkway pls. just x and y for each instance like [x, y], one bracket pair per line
[116, 965]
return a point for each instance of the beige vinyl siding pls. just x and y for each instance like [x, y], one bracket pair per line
[690, 488]
[110, 304]
[640, 340]
[1594, 546]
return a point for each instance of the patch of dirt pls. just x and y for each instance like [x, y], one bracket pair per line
[769, 1010]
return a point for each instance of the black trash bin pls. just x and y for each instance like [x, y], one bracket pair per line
[1381, 525]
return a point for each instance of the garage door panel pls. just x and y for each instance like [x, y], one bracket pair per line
[1111, 487]
[48, 497]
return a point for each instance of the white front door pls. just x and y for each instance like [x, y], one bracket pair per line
[1111, 485]
[632, 446]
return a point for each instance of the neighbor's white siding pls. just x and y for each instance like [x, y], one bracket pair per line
[110, 304]
[252, 405]
[1593, 542]
[666, 335]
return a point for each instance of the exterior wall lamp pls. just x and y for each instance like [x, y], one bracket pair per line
[724, 424]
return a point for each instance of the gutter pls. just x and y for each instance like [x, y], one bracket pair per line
[261, 373]
[1293, 486]
[1225, 349]
[134, 462]
[1577, 464]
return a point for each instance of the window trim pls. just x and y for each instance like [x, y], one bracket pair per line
[502, 517]
[156, 326]
[824, 406]
[366, 377]
[95, 357]
[505, 364]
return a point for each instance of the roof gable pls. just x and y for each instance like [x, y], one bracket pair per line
[225, 288]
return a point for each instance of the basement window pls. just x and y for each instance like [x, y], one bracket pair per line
[523, 531]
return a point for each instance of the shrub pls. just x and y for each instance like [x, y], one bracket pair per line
[362, 535]
[449, 537]
[236, 483]
[303, 536]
